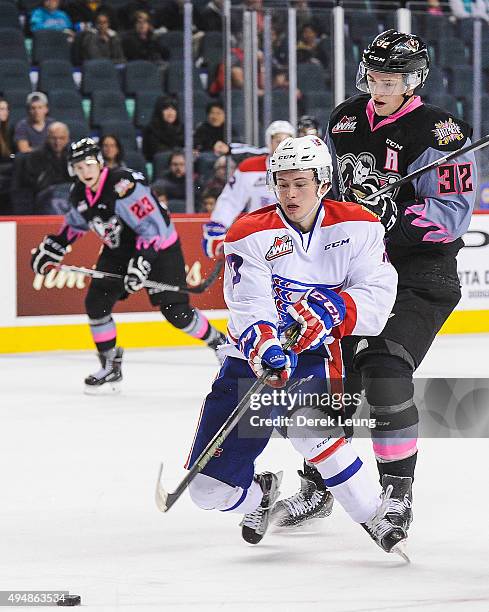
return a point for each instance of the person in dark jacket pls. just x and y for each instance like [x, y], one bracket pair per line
[164, 132]
[209, 135]
[140, 43]
[102, 42]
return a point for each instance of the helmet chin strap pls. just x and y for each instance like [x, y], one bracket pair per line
[405, 98]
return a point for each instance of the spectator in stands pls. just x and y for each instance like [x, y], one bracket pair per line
[112, 151]
[209, 135]
[279, 48]
[173, 180]
[307, 45]
[31, 132]
[281, 81]
[237, 73]
[44, 176]
[84, 12]
[470, 8]
[164, 132]
[6, 156]
[102, 42]
[208, 200]
[216, 183]
[434, 7]
[50, 17]
[210, 18]
[141, 44]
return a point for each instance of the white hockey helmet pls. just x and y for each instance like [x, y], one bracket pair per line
[278, 127]
[304, 153]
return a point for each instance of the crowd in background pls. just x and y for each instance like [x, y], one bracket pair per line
[33, 173]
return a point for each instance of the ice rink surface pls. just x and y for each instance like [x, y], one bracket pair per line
[77, 511]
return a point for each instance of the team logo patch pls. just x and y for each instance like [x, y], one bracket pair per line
[282, 245]
[346, 124]
[447, 131]
[123, 186]
[108, 231]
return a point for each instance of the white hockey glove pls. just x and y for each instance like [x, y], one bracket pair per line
[138, 270]
[50, 252]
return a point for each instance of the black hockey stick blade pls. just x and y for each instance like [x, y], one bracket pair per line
[164, 499]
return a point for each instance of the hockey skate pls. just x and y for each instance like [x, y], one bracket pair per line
[312, 501]
[108, 379]
[387, 535]
[400, 511]
[255, 524]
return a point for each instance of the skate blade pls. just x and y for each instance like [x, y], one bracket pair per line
[106, 389]
[400, 549]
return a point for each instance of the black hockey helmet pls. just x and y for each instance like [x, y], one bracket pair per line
[307, 125]
[83, 149]
[395, 53]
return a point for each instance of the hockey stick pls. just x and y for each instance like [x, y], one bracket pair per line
[475, 146]
[165, 500]
[205, 284]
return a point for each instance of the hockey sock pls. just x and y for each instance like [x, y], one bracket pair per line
[212, 494]
[343, 473]
[395, 437]
[103, 333]
[189, 320]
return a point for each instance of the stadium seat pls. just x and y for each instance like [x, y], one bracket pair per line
[145, 102]
[450, 52]
[280, 104]
[49, 44]
[432, 27]
[135, 161]
[12, 45]
[177, 206]
[66, 105]
[201, 100]
[445, 101]
[56, 74]
[310, 77]
[14, 74]
[461, 81]
[124, 130]
[16, 101]
[362, 25]
[319, 99]
[211, 50]
[9, 15]
[435, 83]
[108, 106]
[161, 163]
[173, 40]
[99, 75]
[175, 80]
[78, 129]
[142, 76]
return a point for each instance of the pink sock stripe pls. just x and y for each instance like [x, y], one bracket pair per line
[104, 336]
[393, 452]
[204, 326]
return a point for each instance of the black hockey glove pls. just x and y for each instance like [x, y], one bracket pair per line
[138, 270]
[48, 253]
[382, 206]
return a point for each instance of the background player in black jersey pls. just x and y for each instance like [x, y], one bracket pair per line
[374, 139]
[141, 244]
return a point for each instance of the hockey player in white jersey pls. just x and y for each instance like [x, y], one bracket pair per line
[245, 191]
[321, 264]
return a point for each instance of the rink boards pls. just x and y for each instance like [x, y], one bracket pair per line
[47, 313]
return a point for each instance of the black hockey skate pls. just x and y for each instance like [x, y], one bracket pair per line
[217, 339]
[255, 524]
[312, 501]
[400, 511]
[107, 380]
[387, 535]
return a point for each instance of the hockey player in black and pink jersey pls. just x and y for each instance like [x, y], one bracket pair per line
[376, 138]
[140, 243]
[245, 191]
